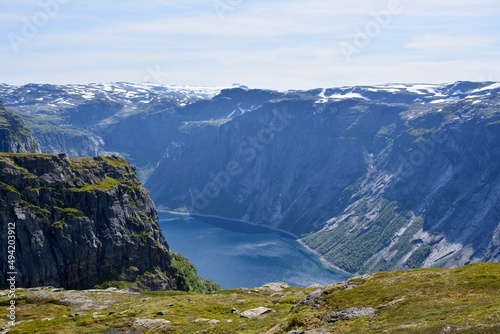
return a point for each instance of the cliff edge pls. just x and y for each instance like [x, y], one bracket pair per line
[80, 223]
[14, 136]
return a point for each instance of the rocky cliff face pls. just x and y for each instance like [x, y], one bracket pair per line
[429, 198]
[14, 136]
[81, 222]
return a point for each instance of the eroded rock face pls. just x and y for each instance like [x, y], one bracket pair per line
[81, 222]
[14, 136]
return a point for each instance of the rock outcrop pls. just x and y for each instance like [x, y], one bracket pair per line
[79, 223]
[350, 313]
[255, 312]
[14, 136]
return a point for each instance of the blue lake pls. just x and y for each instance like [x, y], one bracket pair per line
[235, 254]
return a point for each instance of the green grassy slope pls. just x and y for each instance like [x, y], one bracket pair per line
[464, 300]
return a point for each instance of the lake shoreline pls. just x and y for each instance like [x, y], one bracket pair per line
[201, 216]
[237, 254]
[324, 261]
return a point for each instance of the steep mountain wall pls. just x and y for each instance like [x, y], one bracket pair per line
[14, 136]
[81, 222]
[379, 186]
[430, 199]
[292, 161]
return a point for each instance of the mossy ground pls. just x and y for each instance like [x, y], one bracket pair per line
[108, 184]
[119, 311]
[464, 300]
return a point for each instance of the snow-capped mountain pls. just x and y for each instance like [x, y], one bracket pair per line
[412, 93]
[88, 119]
[53, 97]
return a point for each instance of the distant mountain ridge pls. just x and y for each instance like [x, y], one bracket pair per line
[53, 97]
[107, 118]
[373, 177]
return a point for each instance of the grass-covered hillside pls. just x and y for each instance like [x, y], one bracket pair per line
[464, 300]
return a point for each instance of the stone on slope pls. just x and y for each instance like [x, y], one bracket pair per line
[255, 312]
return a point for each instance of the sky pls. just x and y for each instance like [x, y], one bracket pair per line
[277, 44]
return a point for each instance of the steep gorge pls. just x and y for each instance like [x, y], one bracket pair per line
[370, 186]
[372, 177]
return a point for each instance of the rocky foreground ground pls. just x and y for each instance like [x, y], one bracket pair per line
[463, 300]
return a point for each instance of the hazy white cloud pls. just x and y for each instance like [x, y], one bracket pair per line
[9, 17]
[451, 43]
[273, 44]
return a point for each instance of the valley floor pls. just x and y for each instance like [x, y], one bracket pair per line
[461, 300]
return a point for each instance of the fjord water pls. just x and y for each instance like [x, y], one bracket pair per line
[244, 255]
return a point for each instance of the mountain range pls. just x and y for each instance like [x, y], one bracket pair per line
[371, 177]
